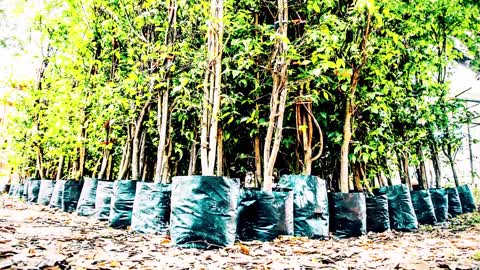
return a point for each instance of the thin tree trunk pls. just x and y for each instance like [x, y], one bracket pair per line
[451, 160]
[82, 149]
[103, 168]
[40, 76]
[216, 84]
[162, 131]
[135, 157]
[406, 169]
[60, 167]
[163, 102]
[97, 166]
[76, 166]
[193, 156]
[389, 181]
[220, 152]
[307, 144]
[144, 169]
[303, 136]
[204, 129]
[278, 98]
[40, 167]
[403, 178]
[71, 169]
[66, 166]
[436, 165]
[347, 135]
[142, 155]
[109, 168]
[305, 127]
[106, 151]
[258, 161]
[349, 107]
[357, 178]
[381, 180]
[422, 179]
[166, 164]
[212, 89]
[472, 171]
[123, 169]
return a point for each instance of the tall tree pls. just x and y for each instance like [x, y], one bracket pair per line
[279, 70]
[212, 90]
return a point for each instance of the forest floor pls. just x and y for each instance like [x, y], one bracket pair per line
[37, 237]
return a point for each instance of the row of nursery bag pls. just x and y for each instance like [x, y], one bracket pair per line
[208, 211]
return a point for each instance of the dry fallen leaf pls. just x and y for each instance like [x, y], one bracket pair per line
[56, 267]
[166, 241]
[244, 249]
[114, 264]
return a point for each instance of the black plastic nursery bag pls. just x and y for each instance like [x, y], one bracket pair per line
[103, 199]
[57, 194]
[33, 189]
[348, 214]
[45, 192]
[423, 205]
[204, 211]
[439, 198]
[454, 203]
[311, 217]
[18, 192]
[151, 208]
[12, 189]
[24, 195]
[121, 206]
[265, 215]
[466, 198]
[71, 194]
[86, 202]
[378, 218]
[401, 211]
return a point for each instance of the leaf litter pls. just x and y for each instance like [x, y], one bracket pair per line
[38, 237]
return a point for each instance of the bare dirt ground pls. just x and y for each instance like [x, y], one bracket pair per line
[37, 237]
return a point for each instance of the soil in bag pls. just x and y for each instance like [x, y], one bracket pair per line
[454, 203]
[57, 194]
[439, 198]
[33, 189]
[466, 198]
[151, 208]
[86, 202]
[71, 194]
[46, 191]
[423, 205]
[265, 215]
[310, 205]
[378, 218]
[103, 200]
[204, 211]
[122, 203]
[400, 207]
[348, 214]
